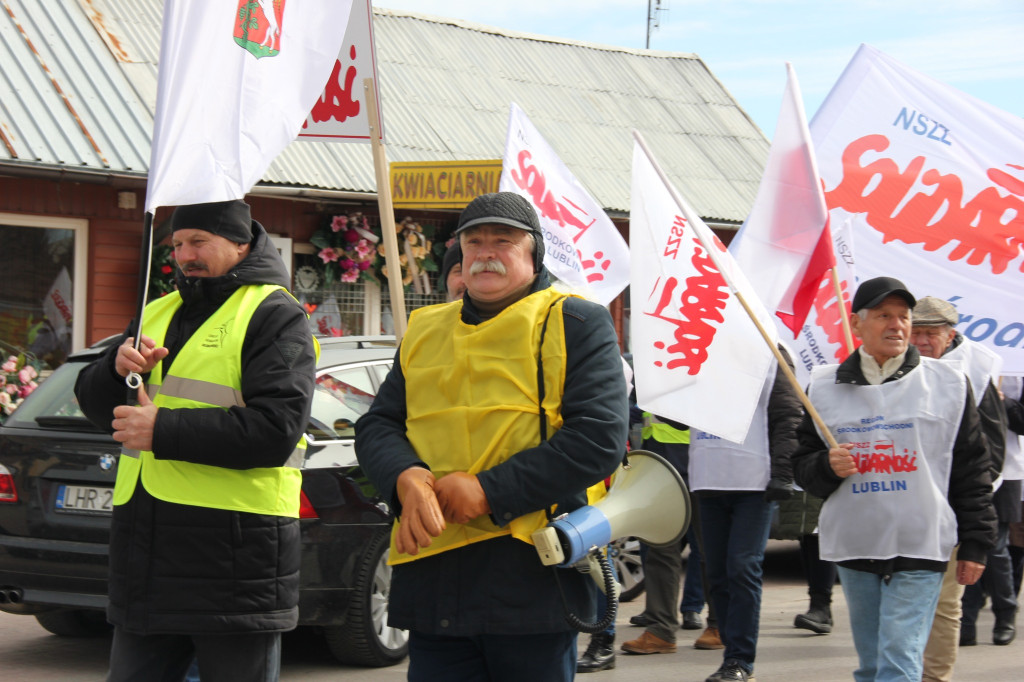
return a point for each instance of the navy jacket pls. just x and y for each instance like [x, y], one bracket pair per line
[499, 586]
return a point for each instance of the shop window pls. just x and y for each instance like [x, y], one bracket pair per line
[351, 308]
[42, 284]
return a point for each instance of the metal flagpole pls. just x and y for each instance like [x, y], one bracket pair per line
[134, 380]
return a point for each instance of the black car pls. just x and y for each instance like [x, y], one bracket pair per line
[56, 487]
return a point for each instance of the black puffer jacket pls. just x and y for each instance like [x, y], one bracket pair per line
[183, 569]
[970, 482]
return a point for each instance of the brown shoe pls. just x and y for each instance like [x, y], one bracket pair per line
[648, 644]
[709, 639]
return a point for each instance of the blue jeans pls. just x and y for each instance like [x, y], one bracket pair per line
[890, 622]
[693, 588]
[492, 658]
[735, 527]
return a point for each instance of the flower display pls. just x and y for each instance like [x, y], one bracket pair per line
[17, 381]
[161, 272]
[347, 248]
[352, 251]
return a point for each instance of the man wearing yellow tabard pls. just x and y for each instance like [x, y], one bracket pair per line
[502, 406]
[204, 545]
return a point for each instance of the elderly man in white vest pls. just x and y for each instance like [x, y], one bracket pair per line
[909, 481]
[934, 336]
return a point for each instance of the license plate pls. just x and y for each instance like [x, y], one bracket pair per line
[84, 499]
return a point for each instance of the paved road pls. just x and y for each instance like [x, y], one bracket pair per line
[30, 654]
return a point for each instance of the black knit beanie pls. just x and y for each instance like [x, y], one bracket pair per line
[229, 219]
[452, 257]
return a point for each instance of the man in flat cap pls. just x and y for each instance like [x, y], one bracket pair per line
[204, 545]
[934, 336]
[909, 480]
[502, 406]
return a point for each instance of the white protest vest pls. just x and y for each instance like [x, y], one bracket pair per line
[903, 433]
[719, 464]
[980, 364]
[1013, 467]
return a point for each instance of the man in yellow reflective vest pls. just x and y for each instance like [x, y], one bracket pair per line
[204, 546]
[501, 407]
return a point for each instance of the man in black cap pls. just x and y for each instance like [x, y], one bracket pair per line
[911, 480]
[500, 409]
[451, 273]
[204, 546]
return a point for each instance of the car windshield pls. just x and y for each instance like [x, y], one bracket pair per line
[53, 403]
[342, 395]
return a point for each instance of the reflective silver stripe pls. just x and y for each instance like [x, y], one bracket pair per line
[296, 459]
[201, 391]
[650, 420]
[130, 453]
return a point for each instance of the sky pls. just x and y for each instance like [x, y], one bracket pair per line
[975, 46]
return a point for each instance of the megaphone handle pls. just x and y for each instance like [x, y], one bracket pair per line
[612, 600]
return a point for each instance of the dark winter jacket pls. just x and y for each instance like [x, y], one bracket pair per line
[784, 412]
[183, 569]
[970, 482]
[1008, 498]
[499, 586]
[796, 517]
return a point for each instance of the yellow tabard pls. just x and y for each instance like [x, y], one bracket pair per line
[471, 397]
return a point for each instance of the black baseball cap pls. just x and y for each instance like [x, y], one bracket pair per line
[873, 291]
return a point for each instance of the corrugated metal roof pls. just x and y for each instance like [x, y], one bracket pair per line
[78, 88]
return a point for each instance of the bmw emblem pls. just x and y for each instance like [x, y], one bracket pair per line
[107, 462]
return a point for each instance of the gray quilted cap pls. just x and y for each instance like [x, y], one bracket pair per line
[933, 312]
[505, 208]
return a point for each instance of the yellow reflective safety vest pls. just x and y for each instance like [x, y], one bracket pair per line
[472, 399]
[662, 432]
[207, 372]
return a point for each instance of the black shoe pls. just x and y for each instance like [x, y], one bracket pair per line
[640, 620]
[818, 619]
[692, 621]
[730, 671]
[968, 635]
[600, 654]
[1003, 633]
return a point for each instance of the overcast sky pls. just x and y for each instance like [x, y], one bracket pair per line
[976, 45]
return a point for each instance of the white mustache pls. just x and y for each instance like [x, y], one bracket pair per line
[495, 266]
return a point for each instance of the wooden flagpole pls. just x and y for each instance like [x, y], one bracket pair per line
[711, 249]
[387, 213]
[829, 438]
[847, 334]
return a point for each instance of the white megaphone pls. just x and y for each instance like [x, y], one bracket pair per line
[647, 500]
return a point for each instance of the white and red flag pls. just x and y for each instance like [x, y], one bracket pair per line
[236, 82]
[341, 113]
[932, 181]
[583, 248]
[698, 357]
[784, 247]
[822, 340]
